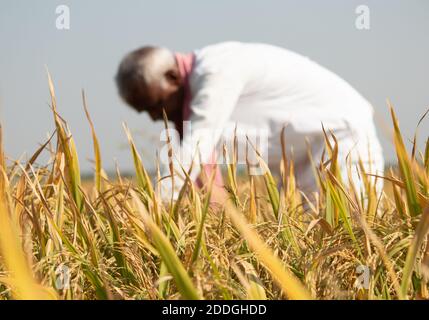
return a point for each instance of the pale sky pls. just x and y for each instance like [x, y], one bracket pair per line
[388, 61]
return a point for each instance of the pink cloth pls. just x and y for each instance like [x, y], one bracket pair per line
[185, 63]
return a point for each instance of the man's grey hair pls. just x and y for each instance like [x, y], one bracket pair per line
[142, 68]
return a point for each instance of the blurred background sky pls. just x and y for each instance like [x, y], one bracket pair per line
[388, 61]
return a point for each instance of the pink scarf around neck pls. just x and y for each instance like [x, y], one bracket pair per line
[185, 62]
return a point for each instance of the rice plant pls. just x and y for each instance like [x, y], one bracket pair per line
[117, 239]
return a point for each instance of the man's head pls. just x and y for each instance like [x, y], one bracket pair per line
[148, 79]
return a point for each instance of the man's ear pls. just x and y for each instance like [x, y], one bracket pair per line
[173, 77]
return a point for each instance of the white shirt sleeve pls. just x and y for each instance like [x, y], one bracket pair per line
[215, 95]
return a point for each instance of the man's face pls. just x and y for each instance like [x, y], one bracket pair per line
[166, 95]
[169, 100]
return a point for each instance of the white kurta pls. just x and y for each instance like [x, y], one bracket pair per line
[261, 88]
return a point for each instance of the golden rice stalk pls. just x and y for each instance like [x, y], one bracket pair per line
[67, 146]
[200, 233]
[20, 278]
[170, 159]
[97, 154]
[232, 167]
[426, 157]
[143, 179]
[290, 285]
[270, 183]
[168, 255]
[252, 201]
[405, 168]
[252, 192]
[250, 281]
[420, 234]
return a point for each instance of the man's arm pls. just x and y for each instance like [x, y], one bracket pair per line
[214, 98]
